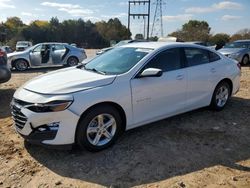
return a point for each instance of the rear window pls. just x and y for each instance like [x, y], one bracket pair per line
[196, 56]
[213, 57]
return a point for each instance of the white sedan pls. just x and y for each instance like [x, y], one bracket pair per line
[129, 86]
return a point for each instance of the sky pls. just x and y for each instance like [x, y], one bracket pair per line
[227, 16]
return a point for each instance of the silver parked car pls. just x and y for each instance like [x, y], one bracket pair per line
[46, 54]
[238, 50]
[23, 45]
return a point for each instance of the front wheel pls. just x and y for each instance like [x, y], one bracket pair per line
[21, 65]
[99, 128]
[220, 96]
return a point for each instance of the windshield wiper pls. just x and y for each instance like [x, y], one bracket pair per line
[95, 70]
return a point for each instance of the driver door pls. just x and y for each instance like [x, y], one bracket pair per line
[159, 97]
[35, 56]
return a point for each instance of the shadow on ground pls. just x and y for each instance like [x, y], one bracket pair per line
[168, 148]
[5, 99]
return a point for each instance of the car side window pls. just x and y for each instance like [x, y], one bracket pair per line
[196, 56]
[58, 47]
[38, 48]
[167, 60]
[213, 57]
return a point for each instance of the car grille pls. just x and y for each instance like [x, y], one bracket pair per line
[19, 118]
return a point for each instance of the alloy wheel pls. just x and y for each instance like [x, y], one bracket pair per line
[222, 96]
[101, 129]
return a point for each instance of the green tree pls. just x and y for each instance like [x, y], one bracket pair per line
[194, 30]
[113, 30]
[220, 39]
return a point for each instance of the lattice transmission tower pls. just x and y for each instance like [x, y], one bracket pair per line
[157, 26]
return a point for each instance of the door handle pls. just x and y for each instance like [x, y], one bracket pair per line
[213, 70]
[179, 77]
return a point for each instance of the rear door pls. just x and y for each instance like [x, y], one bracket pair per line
[200, 77]
[58, 50]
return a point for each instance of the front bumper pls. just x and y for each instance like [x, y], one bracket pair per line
[50, 129]
[237, 58]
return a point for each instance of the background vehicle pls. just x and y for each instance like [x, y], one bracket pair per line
[92, 104]
[46, 54]
[23, 45]
[7, 49]
[121, 43]
[5, 73]
[238, 50]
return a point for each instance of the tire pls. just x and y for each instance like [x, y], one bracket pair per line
[21, 65]
[220, 96]
[245, 60]
[91, 133]
[72, 61]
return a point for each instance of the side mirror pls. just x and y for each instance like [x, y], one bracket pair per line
[151, 72]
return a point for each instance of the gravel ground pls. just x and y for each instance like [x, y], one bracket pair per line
[196, 149]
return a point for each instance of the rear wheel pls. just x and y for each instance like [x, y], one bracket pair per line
[99, 128]
[72, 61]
[21, 65]
[220, 96]
[245, 60]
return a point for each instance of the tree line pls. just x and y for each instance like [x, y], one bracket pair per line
[195, 30]
[98, 35]
[83, 33]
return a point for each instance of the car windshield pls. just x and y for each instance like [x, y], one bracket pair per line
[236, 45]
[117, 61]
[123, 42]
[22, 43]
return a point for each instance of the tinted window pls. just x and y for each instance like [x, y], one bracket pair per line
[58, 47]
[166, 61]
[213, 56]
[196, 56]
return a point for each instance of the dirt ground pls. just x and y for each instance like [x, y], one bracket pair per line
[196, 149]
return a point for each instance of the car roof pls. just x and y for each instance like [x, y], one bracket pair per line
[246, 40]
[157, 45]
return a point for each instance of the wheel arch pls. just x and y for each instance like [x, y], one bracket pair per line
[113, 104]
[13, 63]
[74, 56]
[229, 81]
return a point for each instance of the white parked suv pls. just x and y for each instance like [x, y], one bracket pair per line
[129, 86]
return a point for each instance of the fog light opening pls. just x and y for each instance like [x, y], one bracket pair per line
[49, 127]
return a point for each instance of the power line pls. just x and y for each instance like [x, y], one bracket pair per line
[144, 15]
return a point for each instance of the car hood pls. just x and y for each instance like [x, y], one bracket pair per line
[68, 80]
[230, 50]
[16, 53]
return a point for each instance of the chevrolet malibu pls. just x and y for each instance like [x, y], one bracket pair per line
[91, 105]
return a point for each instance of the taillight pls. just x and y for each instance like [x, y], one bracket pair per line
[239, 66]
[2, 53]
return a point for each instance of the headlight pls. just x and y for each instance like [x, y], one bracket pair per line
[54, 106]
[234, 54]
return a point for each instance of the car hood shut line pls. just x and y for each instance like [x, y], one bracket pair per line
[68, 80]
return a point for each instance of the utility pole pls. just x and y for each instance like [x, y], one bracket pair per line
[139, 3]
[157, 27]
